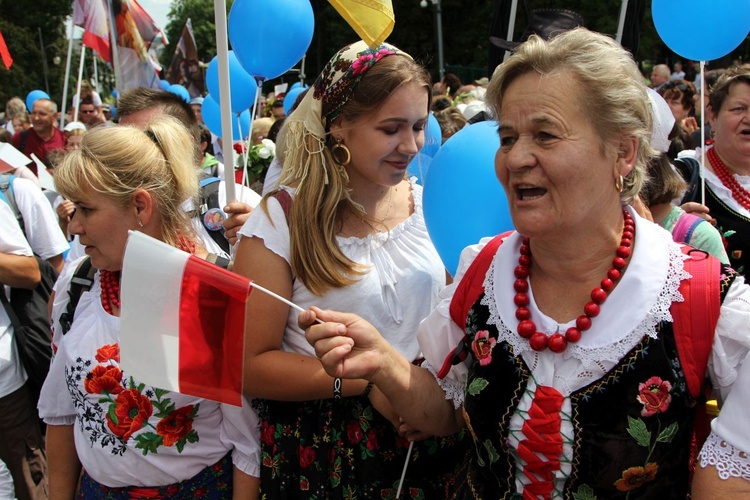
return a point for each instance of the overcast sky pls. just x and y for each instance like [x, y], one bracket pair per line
[158, 10]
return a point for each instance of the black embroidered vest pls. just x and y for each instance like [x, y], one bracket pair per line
[622, 447]
[738, 244]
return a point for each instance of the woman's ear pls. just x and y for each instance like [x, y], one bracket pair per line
[143, 205]
[627, 154]
[711, 117]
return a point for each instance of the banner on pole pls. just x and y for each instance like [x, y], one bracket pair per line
[135, 30]
[185, 68]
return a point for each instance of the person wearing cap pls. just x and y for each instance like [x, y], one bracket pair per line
[665, 185]
[196, 103]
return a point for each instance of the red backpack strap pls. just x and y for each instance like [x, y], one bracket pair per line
[695, 319]
[468, 291]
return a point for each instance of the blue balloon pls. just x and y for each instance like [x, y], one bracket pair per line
[212, 118]
[270, 36]
[242, 86]
[180, 91]
[112, 111]
[419, 166]
[463, 200]
[721, 25]
[290, 97]
[115, 93]
[33, 96]
[433, 137]
[297, 85]
[164, 85]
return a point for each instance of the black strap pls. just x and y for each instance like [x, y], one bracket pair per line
[24, 136]
[83, 279]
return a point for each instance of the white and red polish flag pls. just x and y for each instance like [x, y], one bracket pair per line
[182, 321]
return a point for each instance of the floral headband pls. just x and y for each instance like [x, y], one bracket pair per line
[325, 100]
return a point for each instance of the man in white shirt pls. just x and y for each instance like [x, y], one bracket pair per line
[21, 443]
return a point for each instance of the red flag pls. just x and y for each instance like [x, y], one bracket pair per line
[4, 54]
[182, 321]
[93, 17]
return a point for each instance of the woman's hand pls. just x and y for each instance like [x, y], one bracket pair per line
[346, 345]
[238, 213]
[383, 406]
[695, 208]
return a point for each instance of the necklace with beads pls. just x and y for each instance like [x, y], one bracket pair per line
[109, 281]
[559, 342]
[739, 193]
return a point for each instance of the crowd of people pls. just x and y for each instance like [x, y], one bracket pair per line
[569, 358]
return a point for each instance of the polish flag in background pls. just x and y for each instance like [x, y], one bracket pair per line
[182, 321]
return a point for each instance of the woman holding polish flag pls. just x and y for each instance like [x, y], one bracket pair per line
[575, 350]
[131, 439]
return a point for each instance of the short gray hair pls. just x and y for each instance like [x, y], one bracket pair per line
[614, 95]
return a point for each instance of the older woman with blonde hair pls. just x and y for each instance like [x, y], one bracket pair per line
[563, 347]
[131, 439]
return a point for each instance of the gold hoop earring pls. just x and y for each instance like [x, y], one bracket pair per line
[619, 183]
[341, 153]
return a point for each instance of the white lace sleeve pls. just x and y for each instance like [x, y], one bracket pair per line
[728, 460]
[728, 446]
[438, 335]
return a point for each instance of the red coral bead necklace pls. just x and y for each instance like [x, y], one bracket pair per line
[739, 193]
[558, 342]
[110, 280]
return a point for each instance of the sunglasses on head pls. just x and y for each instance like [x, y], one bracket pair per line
[679, 86]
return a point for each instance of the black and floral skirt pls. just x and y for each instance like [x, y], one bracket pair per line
[329, 449]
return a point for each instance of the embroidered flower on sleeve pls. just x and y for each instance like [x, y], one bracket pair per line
[654, 395]
[482, 347]
[108, 352]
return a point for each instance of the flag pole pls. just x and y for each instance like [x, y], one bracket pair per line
[67, 74]
[113, 44]
[78, 86]
[621, 22]
[703, 132]
[511, 25]
[224, 97]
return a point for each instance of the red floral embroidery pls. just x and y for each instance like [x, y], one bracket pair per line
[104, 379]
[176, 425]
[354, 432]
[107, 352]
[306, 456]
[267, 432]
[654, 395]
[482, 347]
[636, 476]
[132, 410]
[304, 484]
[372, 440]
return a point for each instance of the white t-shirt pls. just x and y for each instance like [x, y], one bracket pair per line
[244, 194]
[40, 220]
[400, 289]
[95, 98]
[77, 391]
[633, 310]
[12, 374]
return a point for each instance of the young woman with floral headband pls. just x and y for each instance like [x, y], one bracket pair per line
[345, 229]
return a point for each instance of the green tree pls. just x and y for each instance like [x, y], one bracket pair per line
[21, 25]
